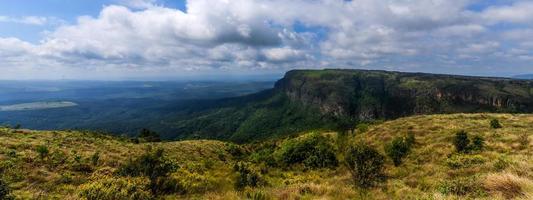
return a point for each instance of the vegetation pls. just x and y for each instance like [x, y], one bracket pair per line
[5, 191]
[153, 165]
[314, 151]
[463, 144]
[398, 148]
[495, 124]
[149, 136]
[365, 164]
[207, 169]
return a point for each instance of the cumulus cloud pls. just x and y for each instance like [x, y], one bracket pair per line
[264, 35]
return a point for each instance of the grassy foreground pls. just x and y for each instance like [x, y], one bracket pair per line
[69, 165]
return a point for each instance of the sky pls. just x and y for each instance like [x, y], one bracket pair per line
[173, 39]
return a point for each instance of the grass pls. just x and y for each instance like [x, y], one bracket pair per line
[432, 169]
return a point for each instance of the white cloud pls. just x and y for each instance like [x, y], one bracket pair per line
[249, 35]
[520, 12]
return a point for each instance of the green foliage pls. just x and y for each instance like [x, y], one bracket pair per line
[457, 161]
[478, 143]
[461, 186]
[398, 148]
[361, 127]
[43, 151]
[149, 136]
[246, 176]
[257, 195]
[18, 126]
[365, 164]
[461, 142]
[313, 151]
[235, 150]
[95, 158]
[495, 124]
[116, 189]
[502, 163]
[152, 164]
[5, 191]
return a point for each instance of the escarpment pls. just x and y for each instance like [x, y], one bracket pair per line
[367, 95]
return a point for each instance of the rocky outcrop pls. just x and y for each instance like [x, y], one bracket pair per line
[367, 95]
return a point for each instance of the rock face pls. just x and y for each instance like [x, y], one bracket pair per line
[367, 95]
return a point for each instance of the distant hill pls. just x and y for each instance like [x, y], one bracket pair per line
[337, 99]
[524, 76]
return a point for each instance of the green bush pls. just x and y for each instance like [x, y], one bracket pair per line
[365, 164]
[495, 124]
[461, 142]
[5, 191]
[42, 151]
[461, 186]
[314, 151]
[397, 149]
[116, 189]
[190, 182]
[246, 176]
[95, 158]
[478, 143]
[502, 163]
[464, 161]
[152, 164]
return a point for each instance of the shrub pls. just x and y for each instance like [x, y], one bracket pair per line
[461, 186]
[116, 189]
[365, 164]
[42, 151]
[410, 139]
[257, 195]
[461, 142]
[477, 143]
[190, 182]
[95, 158]
[398, 149]
[495, 124]
[149, 136]
[464, 161]
[246, 176]
[5, 191]
[314, 151]
[152, 164]
[501, 164]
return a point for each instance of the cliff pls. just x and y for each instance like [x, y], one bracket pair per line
[368, 95]
[338, 99]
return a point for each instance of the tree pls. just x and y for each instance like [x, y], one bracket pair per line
[461, 142]
[365, 164]
[149, 136]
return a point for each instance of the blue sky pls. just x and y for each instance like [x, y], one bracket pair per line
[152, 39]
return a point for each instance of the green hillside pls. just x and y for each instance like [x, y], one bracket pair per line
[63, 165]
[337, 99]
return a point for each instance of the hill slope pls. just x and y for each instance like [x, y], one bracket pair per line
[333, 99]
[502, 170]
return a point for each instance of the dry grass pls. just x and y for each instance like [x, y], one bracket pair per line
[503, 170]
